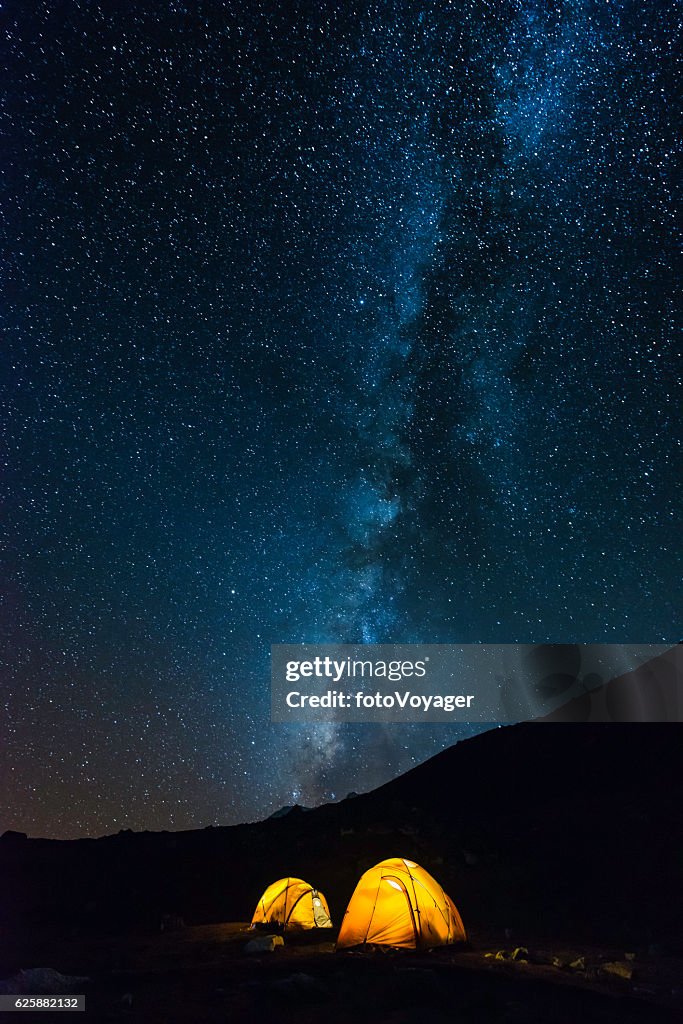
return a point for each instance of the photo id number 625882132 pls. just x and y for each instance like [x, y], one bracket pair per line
[41, 1002]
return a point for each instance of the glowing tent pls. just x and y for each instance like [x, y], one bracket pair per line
[397, 903]
[291, 904]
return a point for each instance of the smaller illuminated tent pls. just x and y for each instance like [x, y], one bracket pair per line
[292, 904]
[397, 903]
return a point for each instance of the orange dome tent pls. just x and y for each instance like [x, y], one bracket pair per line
[397, 903]
[292, 904]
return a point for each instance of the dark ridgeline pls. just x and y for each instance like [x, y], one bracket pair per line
[565, 831]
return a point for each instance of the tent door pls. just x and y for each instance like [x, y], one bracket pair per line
[320, 918]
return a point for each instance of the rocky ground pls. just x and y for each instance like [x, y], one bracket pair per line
[203, 974]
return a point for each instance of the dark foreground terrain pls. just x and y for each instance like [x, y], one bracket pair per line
[202, 974]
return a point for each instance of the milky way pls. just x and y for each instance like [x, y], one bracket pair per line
[355, 323]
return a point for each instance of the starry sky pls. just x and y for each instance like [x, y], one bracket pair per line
[325, 322]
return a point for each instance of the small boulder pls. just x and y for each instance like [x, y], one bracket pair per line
[618, 969]
[520, 954]
[264, 944]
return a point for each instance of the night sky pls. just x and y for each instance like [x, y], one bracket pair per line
[324, 322]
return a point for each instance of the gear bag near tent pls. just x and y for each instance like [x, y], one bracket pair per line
[292, 904]
[397, 903]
